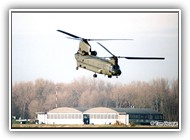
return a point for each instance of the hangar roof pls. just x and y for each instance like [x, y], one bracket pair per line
[104, 110]
[100, 110]
[64, 110]
[136, 110]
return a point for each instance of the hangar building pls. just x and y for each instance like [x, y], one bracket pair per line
[99, 115]
[103, 115]
[62, 115]
[141, 116]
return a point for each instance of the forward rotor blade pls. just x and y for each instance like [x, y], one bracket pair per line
[69, 34]
[78, 38]
[106, 39]
[106, 49]
[143, 58]
[73, 38]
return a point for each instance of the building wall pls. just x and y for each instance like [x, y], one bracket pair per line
[144, 118]
[105, 116]
[124, 119]
[102, 121]
[42, 118]
[64, 118]
[78, 118]
[102, 118]
[64, 121]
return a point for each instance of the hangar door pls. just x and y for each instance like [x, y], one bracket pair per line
[86, 118]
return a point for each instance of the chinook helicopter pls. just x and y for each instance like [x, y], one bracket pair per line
[88, 59]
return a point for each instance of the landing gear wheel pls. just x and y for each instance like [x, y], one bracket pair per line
[109, 76]
[77, 68]
[95, 75]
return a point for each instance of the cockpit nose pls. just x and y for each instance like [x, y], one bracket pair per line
[119, 72]
[116, 70]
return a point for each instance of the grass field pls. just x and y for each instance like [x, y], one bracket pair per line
[57, 126]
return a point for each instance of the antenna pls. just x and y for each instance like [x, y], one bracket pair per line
[56, 88]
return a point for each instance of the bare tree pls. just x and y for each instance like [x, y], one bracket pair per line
[158, 94]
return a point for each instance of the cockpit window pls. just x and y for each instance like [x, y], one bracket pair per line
[114, 67]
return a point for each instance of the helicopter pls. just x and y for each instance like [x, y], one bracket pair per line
[88, 59]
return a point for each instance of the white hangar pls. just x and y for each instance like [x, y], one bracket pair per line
[66, 115]
[62, 115]
[103, 115]
[99, 115]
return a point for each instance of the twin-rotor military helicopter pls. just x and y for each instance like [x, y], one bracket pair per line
[88, 59]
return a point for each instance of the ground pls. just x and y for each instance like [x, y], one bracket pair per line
[57, 126]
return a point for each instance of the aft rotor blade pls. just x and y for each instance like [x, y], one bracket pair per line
[143, 58]
[106, 49]
[69, 34]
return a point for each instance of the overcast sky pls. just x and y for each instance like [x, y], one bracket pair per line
[39, 51]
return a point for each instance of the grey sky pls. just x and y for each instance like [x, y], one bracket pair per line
[39, 51]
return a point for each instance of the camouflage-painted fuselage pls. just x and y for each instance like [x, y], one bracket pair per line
[98, 64]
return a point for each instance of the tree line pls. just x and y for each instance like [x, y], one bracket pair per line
[40, 96]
